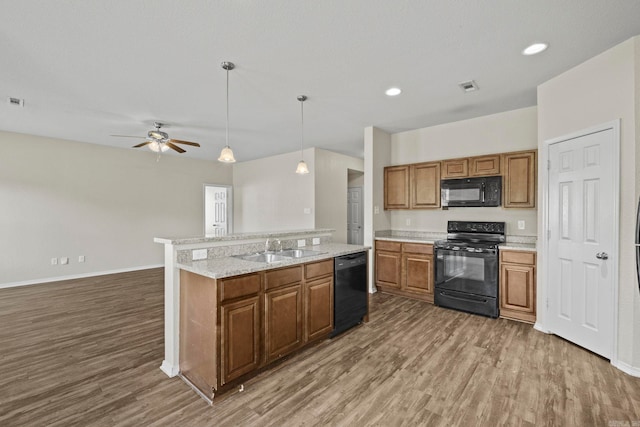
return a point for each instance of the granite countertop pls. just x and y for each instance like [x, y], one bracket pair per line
[514, 243]
[218, 268]
[240, 236]
[409, 239]
[511, 246]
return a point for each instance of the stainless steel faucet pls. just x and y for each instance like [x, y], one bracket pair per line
[266, 246]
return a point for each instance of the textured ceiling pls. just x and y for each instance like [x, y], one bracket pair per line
[88, 69]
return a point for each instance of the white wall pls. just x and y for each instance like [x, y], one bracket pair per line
[600, 90]
[509, 131]
[65, 199]
[331, 174]
[270, 196]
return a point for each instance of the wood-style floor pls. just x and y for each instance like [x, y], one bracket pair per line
[87, 352]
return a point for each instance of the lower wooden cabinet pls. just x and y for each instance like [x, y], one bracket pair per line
[405, 269]
[518, 285]
[234, 326]
[240, 346]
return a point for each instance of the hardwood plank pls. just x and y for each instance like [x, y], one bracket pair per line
[87, 352]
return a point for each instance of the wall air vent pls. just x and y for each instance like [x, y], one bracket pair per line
[16, 101]
[468, 86]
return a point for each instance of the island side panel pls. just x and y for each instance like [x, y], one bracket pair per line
[198, 333]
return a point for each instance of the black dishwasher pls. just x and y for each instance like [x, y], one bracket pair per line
[350, 291]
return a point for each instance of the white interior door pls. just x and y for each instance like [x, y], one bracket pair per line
[355, 216]
[216, 210]
[581, 240]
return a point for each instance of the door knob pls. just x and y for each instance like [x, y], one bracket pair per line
[602, 255]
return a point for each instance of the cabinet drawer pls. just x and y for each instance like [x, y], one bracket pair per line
[239, 286]
[282, 277]
[518, 257]
[384, 245]
[417, 248]
[318, 269]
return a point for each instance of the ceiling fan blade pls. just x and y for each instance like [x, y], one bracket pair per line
[179, 141]
[142, 144]
[175, 147]
[128, 136]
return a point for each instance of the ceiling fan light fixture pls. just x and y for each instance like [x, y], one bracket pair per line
[226, 155]
[158, 147]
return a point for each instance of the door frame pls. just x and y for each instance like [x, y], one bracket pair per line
[543, 233]
[229, 206]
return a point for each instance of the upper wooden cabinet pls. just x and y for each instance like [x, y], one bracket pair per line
[425, 185]
[519, 186]
[396, 187]
[484, 165]
[455, 168]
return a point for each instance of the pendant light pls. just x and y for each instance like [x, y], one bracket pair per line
[302, 168]
[226, 155]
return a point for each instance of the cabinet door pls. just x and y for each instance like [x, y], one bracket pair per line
[240, 346]
[396, 187]
[388, 269]
[517, 292]
[425, 185]
[418, 273]
[318, 308]
[283, 321]
[519, 189]
[485, 165]
[455, 168]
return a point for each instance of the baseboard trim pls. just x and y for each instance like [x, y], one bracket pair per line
[77, 276]
[169, 369]
[626, 368]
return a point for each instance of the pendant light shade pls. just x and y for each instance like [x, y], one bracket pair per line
[302, 168]
[226, 155]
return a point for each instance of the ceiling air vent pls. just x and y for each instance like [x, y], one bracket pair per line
[16, 101]
[468, 86]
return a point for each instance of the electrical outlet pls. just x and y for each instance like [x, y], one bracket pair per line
[376, 210]
[302, 243]
[64, 260]
[54, 261]
[197, 254]
[81, 258]
[408, 221]
[316, 240]
[521, 225]
[307, 211]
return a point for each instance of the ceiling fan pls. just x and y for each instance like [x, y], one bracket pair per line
[159, 141]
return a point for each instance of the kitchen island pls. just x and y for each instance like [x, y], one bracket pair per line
[226, 318]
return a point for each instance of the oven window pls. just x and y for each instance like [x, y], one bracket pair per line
[462, 194]
[463, 267]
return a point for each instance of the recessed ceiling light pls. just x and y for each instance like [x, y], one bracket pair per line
[394, 91]
[468, 86]
[535, 48]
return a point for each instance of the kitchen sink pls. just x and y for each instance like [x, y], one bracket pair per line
[299, 253]
[263, 257]
[269, 257]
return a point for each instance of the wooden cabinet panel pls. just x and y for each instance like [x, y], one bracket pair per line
[314, 270]
[318, 308]
[282, 277]
[386, 245]
[396, 187]
[519, 187]
[239, 286]
[388, 268]
[417, 248]
[484, 165]
[518, 286]
[418, 273]
[425, 185]
[240, 346]
[283, 321]
[455, 168]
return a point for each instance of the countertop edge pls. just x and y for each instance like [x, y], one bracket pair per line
[510, 246]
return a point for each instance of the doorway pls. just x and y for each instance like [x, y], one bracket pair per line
[218, 210]
[581, 217]
[355, 216]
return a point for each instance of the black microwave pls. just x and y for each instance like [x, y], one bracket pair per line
[467, 192]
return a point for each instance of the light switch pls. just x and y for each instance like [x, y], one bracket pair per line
[408, 221]
[64, 260]
[520, 224]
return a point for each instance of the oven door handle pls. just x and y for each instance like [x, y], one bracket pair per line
[482, 193]
[462, 299]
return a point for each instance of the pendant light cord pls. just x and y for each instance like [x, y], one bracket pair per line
[302, 130]
[227, 106]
